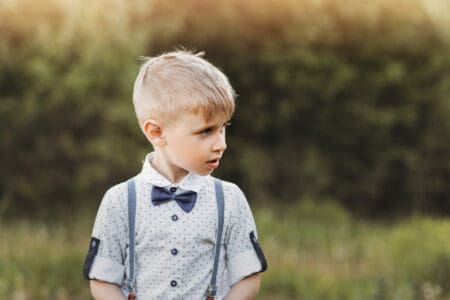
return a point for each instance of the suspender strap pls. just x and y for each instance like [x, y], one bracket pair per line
[131, 225]
[212, 288]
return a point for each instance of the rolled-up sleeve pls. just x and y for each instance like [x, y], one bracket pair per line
[243, 254]
[110, 233]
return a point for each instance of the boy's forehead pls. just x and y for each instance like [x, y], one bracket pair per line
[200, 118]
[218, 117]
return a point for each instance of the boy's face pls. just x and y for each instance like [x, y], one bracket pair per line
[193, 145]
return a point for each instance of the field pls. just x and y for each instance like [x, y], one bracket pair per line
[338, 87]
[315, 251]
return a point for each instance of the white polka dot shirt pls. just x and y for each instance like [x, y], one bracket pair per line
[174, 250]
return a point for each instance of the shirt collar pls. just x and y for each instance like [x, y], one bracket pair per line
[190, 182]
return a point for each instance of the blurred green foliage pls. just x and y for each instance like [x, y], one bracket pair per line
[336, 99]
[315, 251]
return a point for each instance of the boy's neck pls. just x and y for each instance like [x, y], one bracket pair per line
[167, 170]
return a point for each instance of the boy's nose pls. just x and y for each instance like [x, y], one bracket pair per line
[220, 144]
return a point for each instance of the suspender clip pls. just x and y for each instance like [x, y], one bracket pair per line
[131, 296]
[211, 292]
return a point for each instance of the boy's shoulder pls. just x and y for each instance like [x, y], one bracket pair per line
[237, 207]
[116, 196]
[231, 190]
[117, 187]
[226, 184]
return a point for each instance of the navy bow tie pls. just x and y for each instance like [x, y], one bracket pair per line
[185, 200]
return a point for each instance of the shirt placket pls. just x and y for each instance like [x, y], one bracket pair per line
[173, 248]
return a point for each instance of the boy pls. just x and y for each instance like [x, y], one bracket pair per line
[183, 105]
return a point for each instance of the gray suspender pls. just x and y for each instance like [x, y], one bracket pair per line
[212, 288]
[131, 284]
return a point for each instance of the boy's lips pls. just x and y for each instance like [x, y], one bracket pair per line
[213, 163]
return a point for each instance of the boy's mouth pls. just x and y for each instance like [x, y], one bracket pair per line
[213, 163]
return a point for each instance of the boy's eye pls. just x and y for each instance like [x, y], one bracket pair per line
[205, 131]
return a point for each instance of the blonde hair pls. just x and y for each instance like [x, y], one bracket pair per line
[181, 81]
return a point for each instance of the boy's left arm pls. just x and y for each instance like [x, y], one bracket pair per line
[245, 289]
[244, 257]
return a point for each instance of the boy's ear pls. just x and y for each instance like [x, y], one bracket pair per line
[153, 131]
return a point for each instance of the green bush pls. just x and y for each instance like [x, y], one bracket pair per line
[348, 101]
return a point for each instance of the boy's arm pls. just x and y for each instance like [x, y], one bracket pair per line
[245, 289]
[102, 290]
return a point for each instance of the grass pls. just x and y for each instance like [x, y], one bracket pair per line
[315, 251]
[41, 261]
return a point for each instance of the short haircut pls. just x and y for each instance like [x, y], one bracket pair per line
[178, 82]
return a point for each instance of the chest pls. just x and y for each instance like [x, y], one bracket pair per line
[167, 224]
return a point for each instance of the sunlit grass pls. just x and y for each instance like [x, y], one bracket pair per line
[319, 252]
[41, 261]
[314, 252]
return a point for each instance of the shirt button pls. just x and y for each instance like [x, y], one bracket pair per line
[174, 218]
[174, 251]
[173, 189]
[173, 283]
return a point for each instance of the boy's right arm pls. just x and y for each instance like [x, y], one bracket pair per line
[104, 261]
[102, 290]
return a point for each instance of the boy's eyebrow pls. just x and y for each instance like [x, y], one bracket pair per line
[211, 126]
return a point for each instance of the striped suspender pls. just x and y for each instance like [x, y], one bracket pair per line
[131, 222]
[212, 288]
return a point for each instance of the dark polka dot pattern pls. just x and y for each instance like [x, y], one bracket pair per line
[174, 249]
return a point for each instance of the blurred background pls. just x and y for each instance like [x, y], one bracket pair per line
[341, 138]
